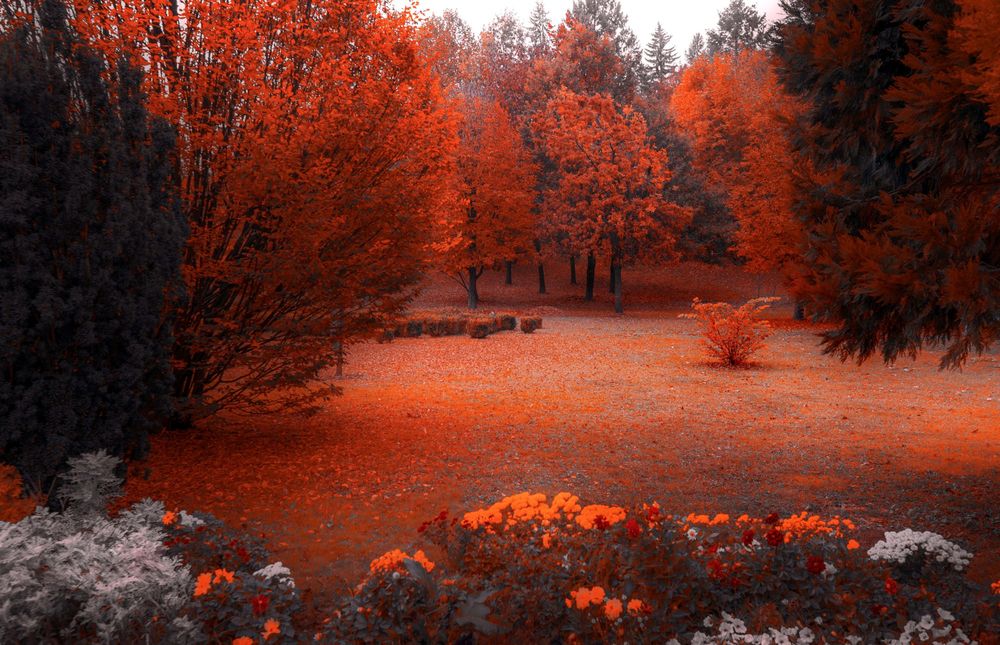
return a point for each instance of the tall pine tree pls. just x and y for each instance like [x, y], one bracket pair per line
[740, 28]
[90, 246]
[898, 189]
[660, 58]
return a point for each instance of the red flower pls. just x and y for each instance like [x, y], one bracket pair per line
[879, 610]
[601, 522]
[653, 514]
[712, 550]
[771, 519]
[748, 536]
[716, 569]
[633, 529]
[815, 564]
[259, 604]
[775, 537]
[891, 586]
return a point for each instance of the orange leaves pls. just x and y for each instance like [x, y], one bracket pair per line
[977, 34]
[314, 149]
[494, 219]
[732, 334]
[733, 108]
[607, 189]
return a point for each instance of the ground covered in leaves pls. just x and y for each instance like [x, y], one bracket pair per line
[614, 409]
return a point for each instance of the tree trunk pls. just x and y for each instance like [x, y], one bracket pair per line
[616, 271]
[572, 269]
[473, 293]
[591, 269]
[339, 349]
[611, 278]
[541, 278]
[510, 272]
[800, 311]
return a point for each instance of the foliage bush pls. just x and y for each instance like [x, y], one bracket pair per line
[732, 334]
[530, 323]
[530, 570]
[145, 575]
[481, 327]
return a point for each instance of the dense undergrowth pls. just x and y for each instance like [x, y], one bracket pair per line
[526, 569]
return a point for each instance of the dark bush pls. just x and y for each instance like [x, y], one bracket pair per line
[530, 324]
[90, 246]
[480, 327]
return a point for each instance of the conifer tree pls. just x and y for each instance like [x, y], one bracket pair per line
[660, 58]
[90, 246]
[898, 192]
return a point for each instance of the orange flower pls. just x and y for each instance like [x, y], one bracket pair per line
[222, 574]
[584, 597]
[600, 516]
[424, 562]
[995, 587]
[203, 584]
[853, 544]
[271, 628]
[721, 518]
[636, 607]
[547, 540]
[242, 640]
[169, 518]
[613, 608]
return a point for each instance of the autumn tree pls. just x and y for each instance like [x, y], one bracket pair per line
[494, 221]
[313, 146]
[608, 189]
[91, 236]
[607, 20]
[898, 189]
[660, 58]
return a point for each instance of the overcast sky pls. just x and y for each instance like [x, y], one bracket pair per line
[682, 19]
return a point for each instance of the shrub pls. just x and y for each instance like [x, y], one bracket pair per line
[414, 328]
[145, 575]
[537, 571]
[481, 327]
[732, 335]
[530, 324]
[508, 322]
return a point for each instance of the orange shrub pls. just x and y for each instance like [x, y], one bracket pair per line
[732, 334]
[481, 327]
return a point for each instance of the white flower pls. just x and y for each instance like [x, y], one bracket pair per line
[692, 534]
[276, 569]
[897, 546]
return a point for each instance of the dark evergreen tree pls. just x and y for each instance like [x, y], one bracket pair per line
[606, 18]
[740, 28]
[90, 246]
[696, 48]
[539, 38]
[898, 184]
[660, 58]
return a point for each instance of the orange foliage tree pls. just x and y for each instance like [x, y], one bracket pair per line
[607, 191]
[313, 144]
[495, 218]
[734, 109]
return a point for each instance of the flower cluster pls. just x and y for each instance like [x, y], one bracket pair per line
[524, 507]
[393, 561]
[898, 546]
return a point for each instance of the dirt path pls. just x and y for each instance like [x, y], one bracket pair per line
[612, 409]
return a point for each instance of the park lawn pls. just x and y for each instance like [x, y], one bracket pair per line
[614, 409]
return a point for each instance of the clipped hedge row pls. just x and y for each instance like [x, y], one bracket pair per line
[460, 324]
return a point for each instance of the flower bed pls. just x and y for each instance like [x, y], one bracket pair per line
[524, 569]
[534, 570]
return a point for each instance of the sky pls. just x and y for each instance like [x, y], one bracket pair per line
[682, 19]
